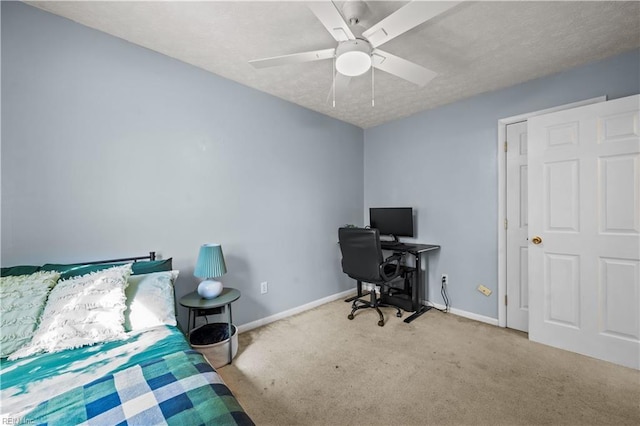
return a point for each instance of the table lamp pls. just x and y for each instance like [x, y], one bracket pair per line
[210, 265]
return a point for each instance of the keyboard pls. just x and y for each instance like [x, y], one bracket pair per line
[395, 246]
[407, 247]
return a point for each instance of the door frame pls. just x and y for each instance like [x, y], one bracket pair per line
[502, 194]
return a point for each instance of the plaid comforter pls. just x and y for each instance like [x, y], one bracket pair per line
[180, 388]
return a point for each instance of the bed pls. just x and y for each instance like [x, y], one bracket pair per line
[77, 368]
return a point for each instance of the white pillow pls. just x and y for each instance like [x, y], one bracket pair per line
[81, 311]
[22, 299]
[150, 300]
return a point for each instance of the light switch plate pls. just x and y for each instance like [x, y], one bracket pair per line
[484, 290]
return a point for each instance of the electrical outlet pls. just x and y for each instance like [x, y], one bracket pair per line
[445, 279]
[484, 290]
[264, 287]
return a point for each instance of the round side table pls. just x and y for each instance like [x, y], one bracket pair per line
[195, 303]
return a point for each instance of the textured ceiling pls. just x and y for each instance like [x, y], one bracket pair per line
[474, 47]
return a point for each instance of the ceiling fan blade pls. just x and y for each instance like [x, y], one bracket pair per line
[404, 19]
[402, 68]
[294, 58]
[332, 20]
[342, 83]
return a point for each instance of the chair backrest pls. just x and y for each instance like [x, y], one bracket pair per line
[361, 253]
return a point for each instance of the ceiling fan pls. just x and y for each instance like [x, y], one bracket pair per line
[357, 49]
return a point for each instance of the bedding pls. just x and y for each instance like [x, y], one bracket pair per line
[13, 271]
[73, 373]
[77, 269]
[150, 300]
[153, 377]
[81, 311]
[22, 299]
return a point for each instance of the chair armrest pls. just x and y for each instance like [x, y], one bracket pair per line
[389, 260]
[395, 256]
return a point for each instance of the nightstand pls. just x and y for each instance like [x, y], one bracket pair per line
[200, 307]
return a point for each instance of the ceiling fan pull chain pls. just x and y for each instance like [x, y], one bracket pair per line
[373, 93]
[333, 84]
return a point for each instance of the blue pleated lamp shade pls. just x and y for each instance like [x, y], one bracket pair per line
[210, 262]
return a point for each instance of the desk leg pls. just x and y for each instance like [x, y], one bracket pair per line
[416, 291]
[230, 337]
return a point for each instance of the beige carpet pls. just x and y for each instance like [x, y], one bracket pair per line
[319, 368]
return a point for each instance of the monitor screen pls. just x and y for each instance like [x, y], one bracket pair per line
[396, 221]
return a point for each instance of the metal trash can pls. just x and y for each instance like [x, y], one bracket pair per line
[212, 341]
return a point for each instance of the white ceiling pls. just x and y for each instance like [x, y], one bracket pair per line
[474, 47]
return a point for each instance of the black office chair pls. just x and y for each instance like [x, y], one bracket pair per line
[362, 260]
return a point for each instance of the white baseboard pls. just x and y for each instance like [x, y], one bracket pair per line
[470, 315]
[264, 321]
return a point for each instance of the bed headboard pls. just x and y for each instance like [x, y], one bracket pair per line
[151, 256]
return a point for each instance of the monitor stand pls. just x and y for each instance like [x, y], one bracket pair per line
[393, 242]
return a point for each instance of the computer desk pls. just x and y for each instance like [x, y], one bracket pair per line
[416, 250]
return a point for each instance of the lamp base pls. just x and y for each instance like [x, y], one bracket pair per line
[209, 289]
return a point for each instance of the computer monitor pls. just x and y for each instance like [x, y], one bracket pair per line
[394, 221]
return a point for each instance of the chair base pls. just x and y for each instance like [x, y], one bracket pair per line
[357, 296]
[373, 303]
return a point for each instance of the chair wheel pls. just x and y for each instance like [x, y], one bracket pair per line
[399, 314]
[381, 323]
[350, 316]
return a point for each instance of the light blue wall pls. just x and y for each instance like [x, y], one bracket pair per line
[443, 162]
[110, 149]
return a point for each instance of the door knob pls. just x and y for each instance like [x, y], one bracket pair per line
[536, 240]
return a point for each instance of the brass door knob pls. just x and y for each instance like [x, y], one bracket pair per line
[536, 240]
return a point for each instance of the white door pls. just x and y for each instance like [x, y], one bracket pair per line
[517, 215]
[584, 190]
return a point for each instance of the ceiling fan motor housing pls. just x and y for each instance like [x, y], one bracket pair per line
[353, 11]
[353, 57]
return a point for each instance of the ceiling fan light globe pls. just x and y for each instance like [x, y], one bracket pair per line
[353, 63]
[353, 57]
